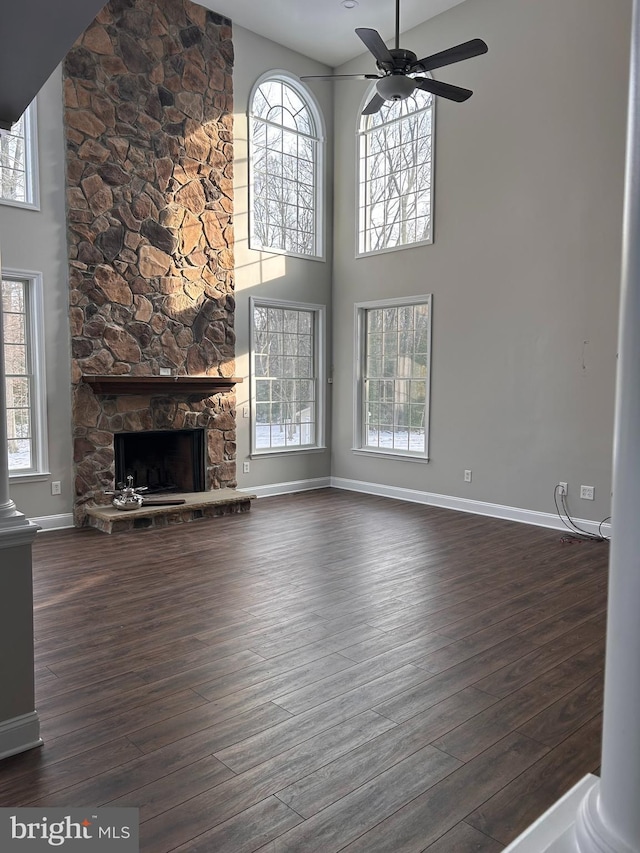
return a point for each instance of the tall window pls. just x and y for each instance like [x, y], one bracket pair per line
[18, 162]
[286, 169]
[394, 367]
[396, 175]
[287, 386]
[23, 368]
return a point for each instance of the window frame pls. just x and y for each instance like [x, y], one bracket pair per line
[361, 135]
[289, 79]
[360, 352]
[319, 358]
[35, 353]
[32, 180]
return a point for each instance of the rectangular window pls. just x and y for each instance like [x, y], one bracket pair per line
[287, 385]
[18, 162]
[23, 371]
[395, 145]
[393, 338]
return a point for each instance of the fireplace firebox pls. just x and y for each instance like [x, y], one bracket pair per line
[162, 460]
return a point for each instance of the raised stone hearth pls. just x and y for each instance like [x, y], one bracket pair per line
[196, 505]
[149, 134]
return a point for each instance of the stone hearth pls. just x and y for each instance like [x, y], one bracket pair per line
[197, 505]
[149, 133]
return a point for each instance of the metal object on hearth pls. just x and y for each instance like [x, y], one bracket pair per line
[127, 497]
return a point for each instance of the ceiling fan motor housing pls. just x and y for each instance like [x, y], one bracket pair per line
[395, 85]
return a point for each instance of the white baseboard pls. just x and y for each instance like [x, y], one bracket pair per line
[19, 734]
[508, 513]
[553, 831]
[288, 488]
[54, 522]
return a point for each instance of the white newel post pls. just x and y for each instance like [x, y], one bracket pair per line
[603, 815]
[19, 724]
[611, 813]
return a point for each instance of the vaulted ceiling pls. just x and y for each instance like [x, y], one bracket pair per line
[36, 34]
[324, 29]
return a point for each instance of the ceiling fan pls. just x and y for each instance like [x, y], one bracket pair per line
[397, 67]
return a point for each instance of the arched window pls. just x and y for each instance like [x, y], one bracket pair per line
[396, 175]
[285, 150]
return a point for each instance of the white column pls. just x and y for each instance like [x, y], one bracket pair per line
[603, 815]
[611, 813]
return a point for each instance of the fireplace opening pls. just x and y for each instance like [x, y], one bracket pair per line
[161, 460]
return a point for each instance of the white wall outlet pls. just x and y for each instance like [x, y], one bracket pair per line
[563, 488]
[165, 371]
[467, 476]
[246, 467]
[587, 493]
[245, 411]
[55, 487]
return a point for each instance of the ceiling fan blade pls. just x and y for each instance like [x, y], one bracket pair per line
[443, 90]
[373, 106]
[373, 41]
[467, 50]
[340, 77]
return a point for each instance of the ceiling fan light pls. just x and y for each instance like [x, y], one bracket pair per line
[395, 87]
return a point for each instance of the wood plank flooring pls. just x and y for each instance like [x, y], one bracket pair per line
[328, 672]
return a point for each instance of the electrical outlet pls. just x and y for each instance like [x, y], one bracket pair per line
[467, 476]
[563, 488]
[245, 411]
[165, 371]
[587, 493]
[55, 487]
[246, 467]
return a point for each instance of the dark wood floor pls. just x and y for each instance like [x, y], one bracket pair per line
[328, 672]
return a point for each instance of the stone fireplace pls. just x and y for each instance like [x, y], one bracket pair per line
[149, 134]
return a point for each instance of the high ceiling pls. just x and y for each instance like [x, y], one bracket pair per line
[324, 29]
[44, 30]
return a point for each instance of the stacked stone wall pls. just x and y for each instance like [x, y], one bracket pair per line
[148, 99]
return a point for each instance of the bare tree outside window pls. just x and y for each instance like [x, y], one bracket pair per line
[284, 171]
[285, 377]
[395, 145]
[17, 162]
[394, 376]
[18, 374]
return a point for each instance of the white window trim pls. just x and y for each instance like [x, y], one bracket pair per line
[35, 323]
[359, 447]
[32, 177]
[320, 175]
[359, 134]
[319, 313]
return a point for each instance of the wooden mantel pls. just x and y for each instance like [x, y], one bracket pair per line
[202, 386]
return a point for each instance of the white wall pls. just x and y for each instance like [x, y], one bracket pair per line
[525, 265]
[36, 240]
[267, 275]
